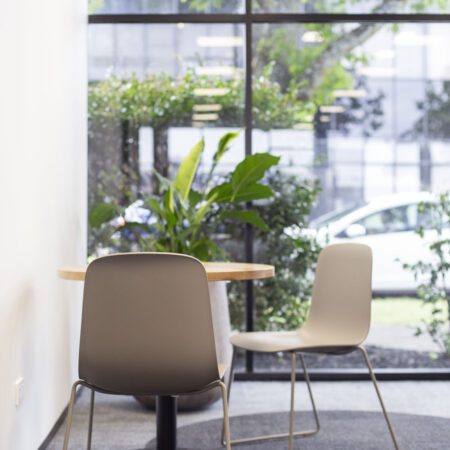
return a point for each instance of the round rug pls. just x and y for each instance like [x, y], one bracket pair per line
[340, 430]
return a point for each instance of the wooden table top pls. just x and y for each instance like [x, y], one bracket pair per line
[216, 271]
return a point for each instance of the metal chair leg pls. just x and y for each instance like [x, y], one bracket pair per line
[311, 397]
[91, 418]
[70, 413]
[230, 383]
[291, 413]
[226, 418]
[291, 433]
[377, 390]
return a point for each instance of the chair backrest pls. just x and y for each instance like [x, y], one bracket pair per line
[147, 325]
[342, 294]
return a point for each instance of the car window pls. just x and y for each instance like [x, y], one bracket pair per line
[392, 220]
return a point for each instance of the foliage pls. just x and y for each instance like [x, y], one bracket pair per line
[282, 302]
[433, 274]
[185, 220]
[162, 100]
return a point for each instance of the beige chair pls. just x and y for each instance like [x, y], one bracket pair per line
[338, 322]
[147, 330]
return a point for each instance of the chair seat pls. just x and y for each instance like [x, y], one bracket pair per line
[284, 341]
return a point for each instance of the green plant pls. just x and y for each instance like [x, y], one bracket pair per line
[185, 220]
[433, 289]
[282, 302]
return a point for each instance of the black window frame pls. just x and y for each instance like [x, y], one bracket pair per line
[248, 19]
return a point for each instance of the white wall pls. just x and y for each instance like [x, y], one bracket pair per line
[42, 209]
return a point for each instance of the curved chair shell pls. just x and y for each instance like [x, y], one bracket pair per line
[147, 326]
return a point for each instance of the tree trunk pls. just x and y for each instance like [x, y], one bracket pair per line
[160, 154]
[130, 161]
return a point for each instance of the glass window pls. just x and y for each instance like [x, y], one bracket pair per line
[349, 6]
[164, 6]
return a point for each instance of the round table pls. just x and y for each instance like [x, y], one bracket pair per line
[218, 274]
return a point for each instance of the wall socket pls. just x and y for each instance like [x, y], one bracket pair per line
[18, 391]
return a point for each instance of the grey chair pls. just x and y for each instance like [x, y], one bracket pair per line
[338, 323]
[147, 330]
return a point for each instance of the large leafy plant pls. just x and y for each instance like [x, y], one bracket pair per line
[433, 273]
[282, 302]
[187, 220]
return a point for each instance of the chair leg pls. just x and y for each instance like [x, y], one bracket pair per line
[70, 414]
[230, 383]
[226, 418]
[91, 418]
[291, 433]
[377, 390]
[311, 397]
[291, 413]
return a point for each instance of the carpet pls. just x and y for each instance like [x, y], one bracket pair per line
[340, 430]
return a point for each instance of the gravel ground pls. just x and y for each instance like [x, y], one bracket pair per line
[380, 357]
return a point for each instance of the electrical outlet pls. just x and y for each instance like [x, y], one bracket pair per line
[18, 391]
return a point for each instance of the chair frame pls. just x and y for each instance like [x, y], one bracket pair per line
[93, 389]
[293, 434]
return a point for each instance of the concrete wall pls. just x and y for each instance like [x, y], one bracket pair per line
[42, 209]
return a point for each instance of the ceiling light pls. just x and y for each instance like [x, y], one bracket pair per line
[216, 70]
[208, 116]
[384, 54]
[324, 118]
[207, 108]
[332, 109]
[180, 25]
[408, 38]
[303, 126]
[312, 37]
[378, 72]
[219, 41]
[355, 93]
[210, 92]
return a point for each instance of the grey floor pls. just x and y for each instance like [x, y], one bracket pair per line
[121, 423]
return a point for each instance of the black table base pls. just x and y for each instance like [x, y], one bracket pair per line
[166, 422]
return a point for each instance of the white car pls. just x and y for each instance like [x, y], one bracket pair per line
[388, 225]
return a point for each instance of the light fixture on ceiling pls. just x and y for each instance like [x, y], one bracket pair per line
[211, 92]
[325, 119]
[378, 72]
[304, 126]
[204, 117]
[408, 38]
[385, 54]
[332, 109]
[355, 93]
[219, 41]
[213, 107]
[312, 37]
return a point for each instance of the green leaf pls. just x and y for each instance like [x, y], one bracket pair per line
[222, 193]
[169, 200]
[200, 214]
[187, 170]
[194, 198]
[251, 170]
[252, 192]
[224, 145]
[101, 214]
[255, 191]
[248, 216]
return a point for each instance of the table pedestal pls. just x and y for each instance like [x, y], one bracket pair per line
[166, 422]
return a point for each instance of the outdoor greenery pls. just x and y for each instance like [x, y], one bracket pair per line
[185, 220]
[433, 274]
[282, 302]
